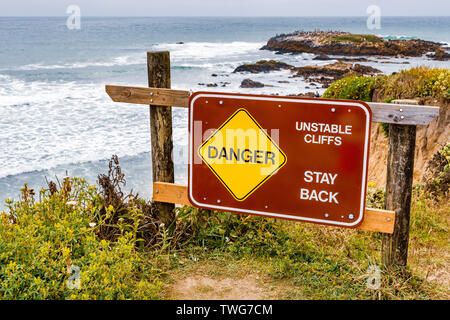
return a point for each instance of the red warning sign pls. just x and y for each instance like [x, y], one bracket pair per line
[282, 157]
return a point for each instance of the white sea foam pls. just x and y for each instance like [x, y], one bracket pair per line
[44, 125]
[208, 50]
[396, 37]
[179, 52]
[125, 60]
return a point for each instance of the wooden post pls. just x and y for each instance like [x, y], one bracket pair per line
[400, 167]
[158, 65]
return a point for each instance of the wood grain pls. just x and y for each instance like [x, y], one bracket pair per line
[403, 113]
[381, 112]
[156, 96]
[374, 219]
[400, 166]
[158, 65]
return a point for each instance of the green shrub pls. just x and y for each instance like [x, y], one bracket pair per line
[417, 82]
[375, 196]
[352, 88]
[40, 240]
[356, 38]
[411, 83]
[235, 233]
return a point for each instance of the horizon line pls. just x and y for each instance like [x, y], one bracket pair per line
[217, 16]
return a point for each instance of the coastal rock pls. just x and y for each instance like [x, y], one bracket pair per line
[347, 44]
[440, 55]
[248, 83]
[263, 66]
[329, 73]
[322, 57]
[305, 95]
[355, 60]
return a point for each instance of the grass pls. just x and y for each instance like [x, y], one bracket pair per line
[302, 260]
[356, 38]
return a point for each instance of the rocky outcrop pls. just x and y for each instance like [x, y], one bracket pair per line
[306, 95]
[347, 44]
[263, 66]
[440, 55]
[331, 72]
[322, 57]
[248, 83]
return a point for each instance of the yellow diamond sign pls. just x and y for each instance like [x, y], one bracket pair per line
[242, 155]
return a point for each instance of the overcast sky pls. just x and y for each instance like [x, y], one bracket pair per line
[224, 7]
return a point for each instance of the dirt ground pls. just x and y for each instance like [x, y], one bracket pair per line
[204, 287]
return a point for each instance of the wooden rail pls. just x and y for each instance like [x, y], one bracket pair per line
[381, 112]
[374, 219]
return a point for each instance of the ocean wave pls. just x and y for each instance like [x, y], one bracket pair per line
[179, 52]
[127, 60]
[208, 50]
[46, 124]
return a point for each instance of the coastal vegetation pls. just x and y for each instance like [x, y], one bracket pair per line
[406, 84]
[355, 38]
[123, 251]
[416, 82]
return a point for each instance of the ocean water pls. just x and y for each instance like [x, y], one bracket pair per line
[55, 117]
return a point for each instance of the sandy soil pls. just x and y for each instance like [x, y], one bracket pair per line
[205, 287]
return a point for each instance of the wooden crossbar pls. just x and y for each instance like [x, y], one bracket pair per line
[381, 112]
[374, 219]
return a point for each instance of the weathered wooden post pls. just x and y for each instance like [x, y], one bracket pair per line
[400, 168]
[158, 65]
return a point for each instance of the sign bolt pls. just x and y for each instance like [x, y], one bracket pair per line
[351, 216]
[220, 102]
[333, 109]
[218, 201]
[326, 215]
